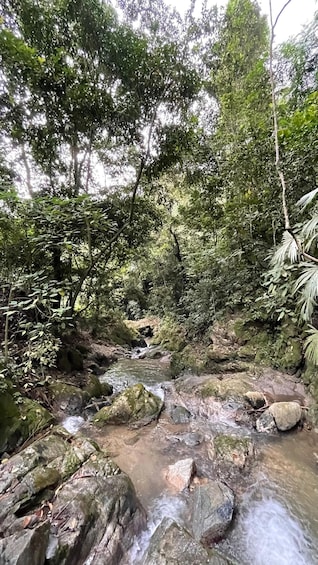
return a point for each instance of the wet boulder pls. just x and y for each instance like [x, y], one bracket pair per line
[212, 511]
[134, 404]
[180, 474]
[232, 451]
[227, 387]
[68, 398]
[171, 544]
[180, 415]
[20, 421]
[28, 547]
[95, 516]
[286, 414]
[62, 501]
[96, 388]
[265, 423]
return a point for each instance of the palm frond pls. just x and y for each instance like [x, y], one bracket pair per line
[311, 346]
[307, 245]
[307, 198]
[309, 228]
[307, 283]
[288, 250]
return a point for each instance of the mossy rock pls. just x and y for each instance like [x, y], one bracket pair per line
[96, 389]
[170, 335]
[279, 348]
[117, 332]
[18, 422]
[9, 422]
[192, 358]
[93, 386]
[233, 450]
[135, 403]
[229, 388]
[34, 417]
[68, 398]
[310, 378]
[292, 355]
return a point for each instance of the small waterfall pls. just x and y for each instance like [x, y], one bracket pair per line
[73, 423]
[267, 530]
[272, 536]
[163, 507]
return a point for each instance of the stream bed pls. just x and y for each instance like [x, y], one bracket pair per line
[277, 502]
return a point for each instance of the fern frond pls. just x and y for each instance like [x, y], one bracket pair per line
[287, 250]
[307, 198]
[311, 346]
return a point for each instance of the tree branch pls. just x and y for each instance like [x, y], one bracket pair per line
[94, 261]
[279, 14]
[27, 170]
[275, 119]
[276, 140]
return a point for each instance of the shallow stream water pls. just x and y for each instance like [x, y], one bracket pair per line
[277, 518]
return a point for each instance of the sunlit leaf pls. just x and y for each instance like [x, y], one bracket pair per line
[287, 251]
[311, 346]
[307, 198]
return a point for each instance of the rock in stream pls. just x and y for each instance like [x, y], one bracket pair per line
[65, 501]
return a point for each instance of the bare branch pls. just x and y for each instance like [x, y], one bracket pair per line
[94, 261]
[275, 120]
[27, 170]
[279, 14]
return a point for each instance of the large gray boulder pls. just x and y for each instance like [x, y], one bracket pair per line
[212, 513]
[95, 516]
[63, 501]
[286, 414]
[28, 547]
[134, 404]
[173, 545]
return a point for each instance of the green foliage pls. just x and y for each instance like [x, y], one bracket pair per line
[171, 335]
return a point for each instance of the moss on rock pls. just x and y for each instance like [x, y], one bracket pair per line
[95, 388]
[18, 422]
[170, 335]
[280, 347]
[135, 403]
[233, 450]
[34, 417]
[233, 387]
[9, 422]
[68, 397]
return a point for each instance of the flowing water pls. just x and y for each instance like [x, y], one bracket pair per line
[277, 517]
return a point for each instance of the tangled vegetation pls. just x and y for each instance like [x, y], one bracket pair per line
[137, 172]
